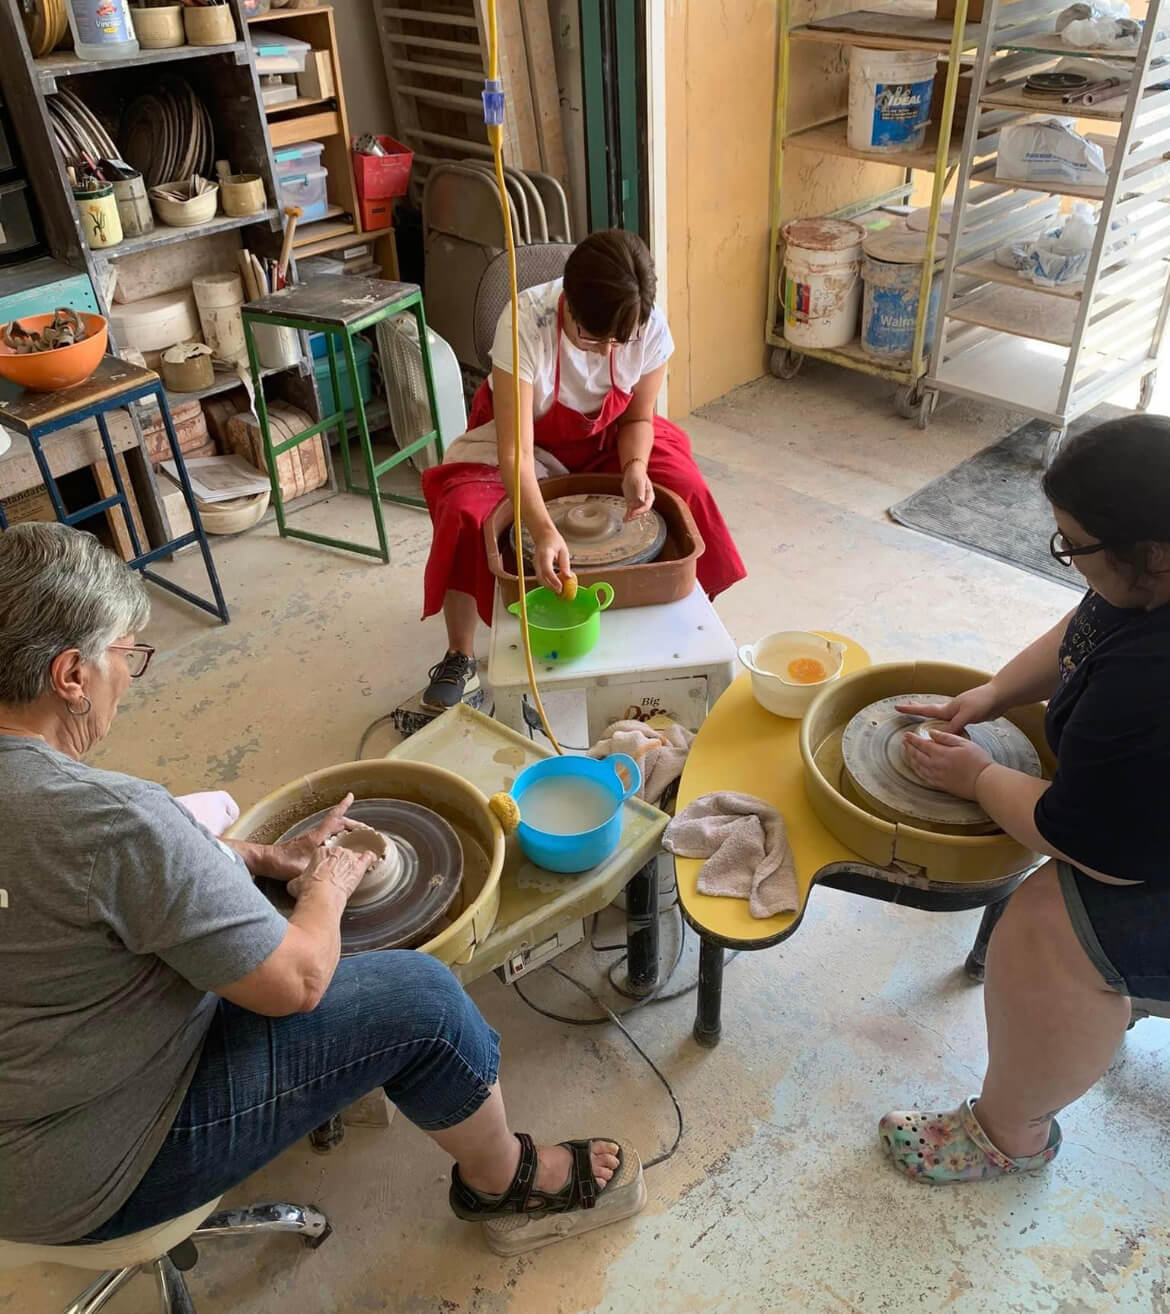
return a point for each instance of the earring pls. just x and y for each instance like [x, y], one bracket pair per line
[84, 711]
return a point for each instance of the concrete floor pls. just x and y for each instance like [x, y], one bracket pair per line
[778, 1199]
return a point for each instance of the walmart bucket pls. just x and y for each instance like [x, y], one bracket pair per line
[889, 98]
[820, 285]
[891, 269]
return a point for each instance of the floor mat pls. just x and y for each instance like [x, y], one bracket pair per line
[993, 501]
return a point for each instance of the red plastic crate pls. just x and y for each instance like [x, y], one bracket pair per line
[382, 177]
[376, 214]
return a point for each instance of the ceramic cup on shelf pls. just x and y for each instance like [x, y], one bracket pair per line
[209, 25]
[159, 28]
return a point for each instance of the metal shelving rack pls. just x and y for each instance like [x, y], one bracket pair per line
[1056, 353]
[903, 27]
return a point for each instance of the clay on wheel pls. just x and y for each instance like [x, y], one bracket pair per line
[382, 872]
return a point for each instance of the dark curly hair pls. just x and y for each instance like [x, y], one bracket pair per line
[1115, 480]
[610, 284]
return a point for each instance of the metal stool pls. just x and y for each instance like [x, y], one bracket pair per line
[114, 384]
[340, 307]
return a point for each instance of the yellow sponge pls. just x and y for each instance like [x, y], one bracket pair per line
[506, 810]
[569, 588]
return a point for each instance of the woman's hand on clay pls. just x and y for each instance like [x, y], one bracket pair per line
[550, 557]
[947, 762]
[341, 868]
[637, 489]
[979, 704]
[291, 858]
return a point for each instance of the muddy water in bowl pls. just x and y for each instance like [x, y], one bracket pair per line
[571, 809]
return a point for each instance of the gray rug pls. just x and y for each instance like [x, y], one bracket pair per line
[993, 502]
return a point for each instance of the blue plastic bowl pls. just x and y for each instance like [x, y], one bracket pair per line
[581, 852]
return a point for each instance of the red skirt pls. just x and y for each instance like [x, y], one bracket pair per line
[461, 496]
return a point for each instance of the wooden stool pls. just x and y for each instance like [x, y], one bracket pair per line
[113, 385]
[745, 749]
[340, 307]
[676, 658]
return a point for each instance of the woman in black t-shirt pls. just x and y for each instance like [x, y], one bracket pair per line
[1091, 928]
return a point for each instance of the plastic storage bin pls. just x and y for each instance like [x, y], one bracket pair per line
[381, 177]
[306, 189]
[299, 157]
[277, 53]
[362, 352]
[18, 234]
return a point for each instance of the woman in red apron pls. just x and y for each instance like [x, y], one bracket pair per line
[593, 355]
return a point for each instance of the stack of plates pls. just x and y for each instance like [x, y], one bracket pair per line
[45, 24]
[77, 130]
[167, 134]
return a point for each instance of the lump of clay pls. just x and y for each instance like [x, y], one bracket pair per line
[382, 873]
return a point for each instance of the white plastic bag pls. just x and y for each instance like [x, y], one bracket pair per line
[1060, 257]
[1101, 25]
[1049, 151]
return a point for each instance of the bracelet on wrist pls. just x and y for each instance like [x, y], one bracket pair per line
[634, 460]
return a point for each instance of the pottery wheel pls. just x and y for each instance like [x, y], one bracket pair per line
[877, 776]
[424, 874]
[595, 531]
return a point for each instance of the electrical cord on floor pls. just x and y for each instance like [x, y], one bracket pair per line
[368, 732]
[532, 721]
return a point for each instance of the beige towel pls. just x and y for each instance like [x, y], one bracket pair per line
[745, 843]
[661, 754]
[480, 447]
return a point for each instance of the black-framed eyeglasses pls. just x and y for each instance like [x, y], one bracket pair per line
[1064, 552]
[138, 658]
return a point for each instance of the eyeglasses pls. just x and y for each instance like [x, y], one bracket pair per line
[138, 659]
[1064, 552]
[606, 342]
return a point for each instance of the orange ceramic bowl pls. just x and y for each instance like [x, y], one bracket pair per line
[46, 371]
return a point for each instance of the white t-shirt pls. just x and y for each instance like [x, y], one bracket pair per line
[584, 375]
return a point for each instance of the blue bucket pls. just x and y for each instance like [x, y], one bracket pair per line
[585, 849]
[889, 308]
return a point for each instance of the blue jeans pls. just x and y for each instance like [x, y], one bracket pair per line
[394, 1019]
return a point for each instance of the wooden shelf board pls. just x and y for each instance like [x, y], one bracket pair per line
[311, 235]
[1051, 189]
[309, 127]
[888, 30]
[302, 102]
[1051, 44]
[1023, 312]
[65, 64]
[162, 235]
[994, 273]
[830, 139]
[1026, 376]
[225, 381]
[1014, 97]
[280, 15]
[322, 246]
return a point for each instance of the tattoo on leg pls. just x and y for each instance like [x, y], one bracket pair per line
[1043, 1118]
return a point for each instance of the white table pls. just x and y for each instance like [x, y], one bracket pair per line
[675, 659]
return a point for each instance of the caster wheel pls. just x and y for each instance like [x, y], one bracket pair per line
[784, 364]
[926, 409]
[907, 402]
[312, 1242]
[1146, 396]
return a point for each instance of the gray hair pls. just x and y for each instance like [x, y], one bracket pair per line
[60, 589]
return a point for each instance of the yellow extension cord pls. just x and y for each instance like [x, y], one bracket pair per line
[496, 139]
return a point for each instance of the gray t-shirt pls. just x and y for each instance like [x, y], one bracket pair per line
[118, 913]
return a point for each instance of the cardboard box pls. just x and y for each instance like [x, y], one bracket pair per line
[962, 99]
[945, 10]
[316, 82]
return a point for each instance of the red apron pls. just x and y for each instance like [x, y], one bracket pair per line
[463, 495]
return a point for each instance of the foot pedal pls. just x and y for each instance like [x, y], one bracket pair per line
[624, 1197]
[411, 716]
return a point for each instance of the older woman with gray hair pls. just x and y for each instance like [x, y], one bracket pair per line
[164, 1031]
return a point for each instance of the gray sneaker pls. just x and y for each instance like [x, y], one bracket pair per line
[456, 676]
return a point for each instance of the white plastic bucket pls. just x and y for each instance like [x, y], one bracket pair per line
[889, 98]
[220, 298]
[820, 285]
[278, 347]
[892, 271]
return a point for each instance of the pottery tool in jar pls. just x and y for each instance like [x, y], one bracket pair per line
[407, 891]
[878, 776]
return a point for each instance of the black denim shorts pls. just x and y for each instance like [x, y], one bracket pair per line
[1125, 930]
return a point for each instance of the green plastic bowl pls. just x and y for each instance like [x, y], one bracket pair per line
[559, 630]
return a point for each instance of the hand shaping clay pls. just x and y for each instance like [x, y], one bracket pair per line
[382, 873]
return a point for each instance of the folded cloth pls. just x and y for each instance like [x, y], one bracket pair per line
[661, 754]
[746, 846]
[216, 809]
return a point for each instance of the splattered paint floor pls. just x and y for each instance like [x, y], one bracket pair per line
[778, 1199]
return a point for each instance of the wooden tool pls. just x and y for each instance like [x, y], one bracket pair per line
[292, 214]
[247, 273]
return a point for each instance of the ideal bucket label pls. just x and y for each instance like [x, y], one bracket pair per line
[899, 111]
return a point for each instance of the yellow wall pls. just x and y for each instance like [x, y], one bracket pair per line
[720, 104]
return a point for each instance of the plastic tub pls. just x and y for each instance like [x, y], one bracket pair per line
[773, 684]
[576, 851]
[277, 53]
[362, 353]
[889, 98]
[891, 269]
[382, 177]
[298, 158]
[560, 630]
[47, 371]
[308, 190]
[820, 285]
